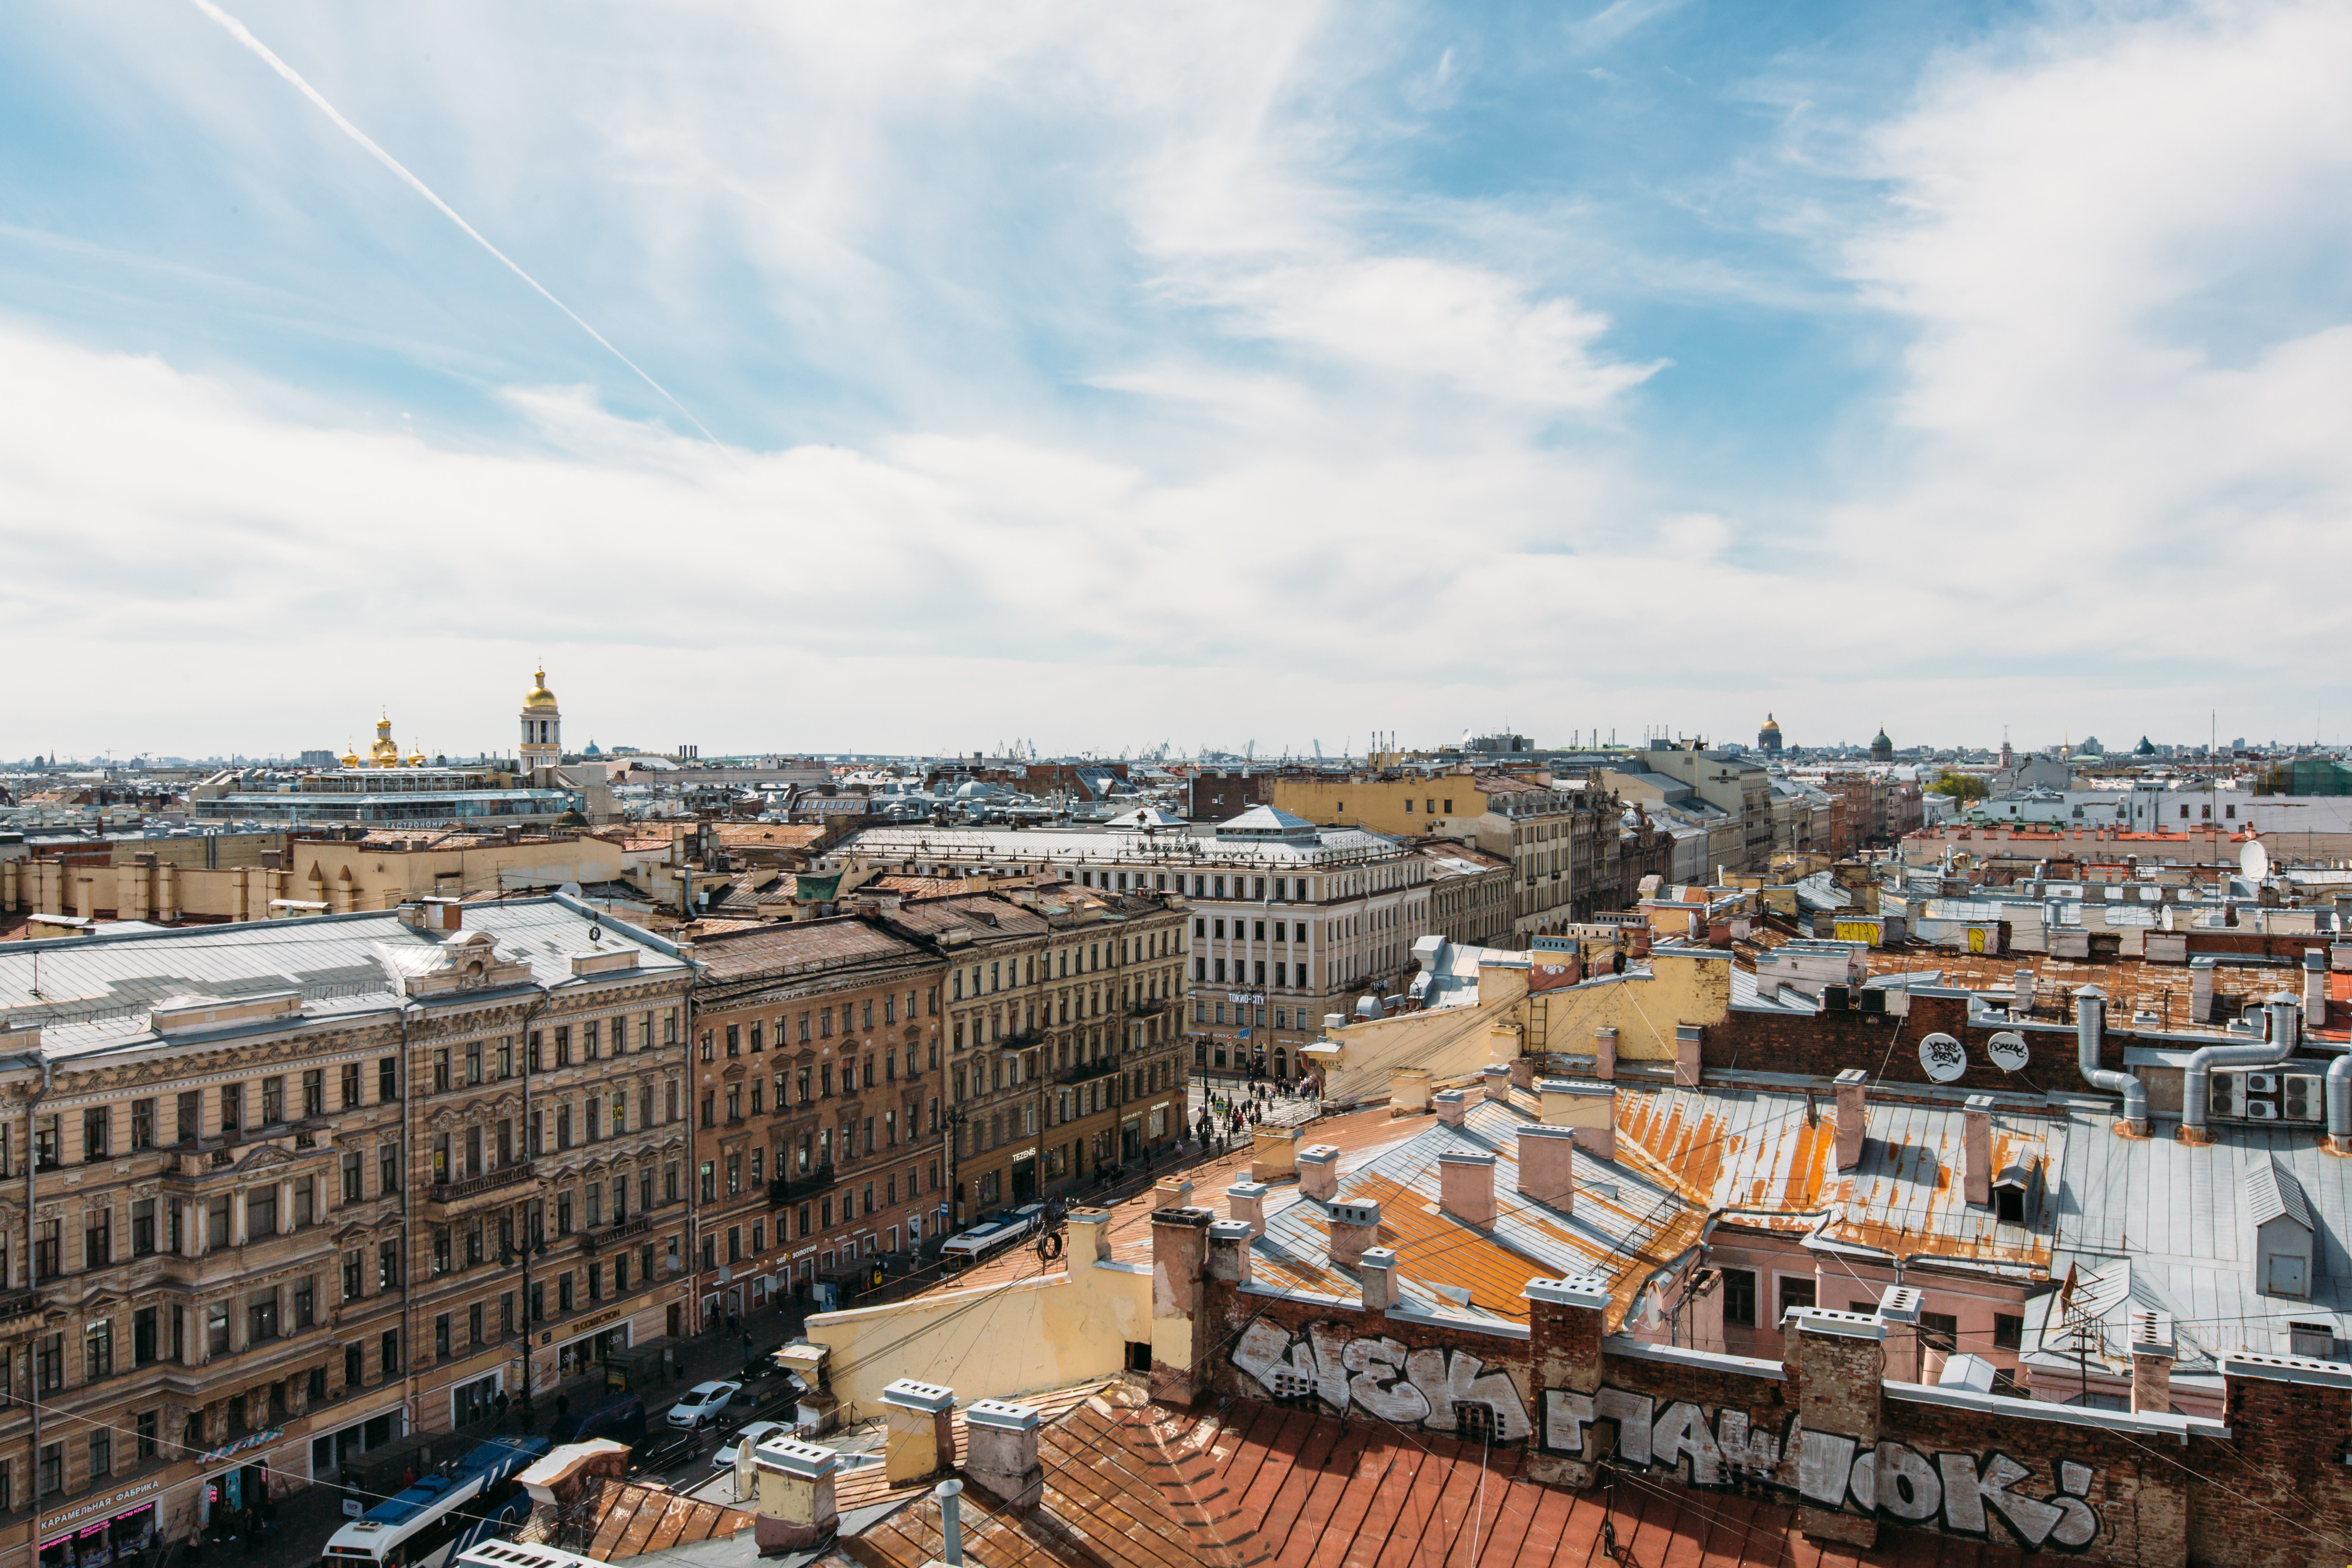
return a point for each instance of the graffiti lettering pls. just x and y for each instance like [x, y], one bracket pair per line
[1962, 1493]
[1421, 1386]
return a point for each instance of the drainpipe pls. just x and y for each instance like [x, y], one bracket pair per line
[407, 1235]
[32, 1279]
[2090, 1013]
[2196, 1079]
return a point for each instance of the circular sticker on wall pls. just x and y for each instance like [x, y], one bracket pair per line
[2007, 1049]
[1943, 1058]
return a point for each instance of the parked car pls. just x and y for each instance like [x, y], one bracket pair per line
[702, 1405]
[754, 1433]
[620, 1417]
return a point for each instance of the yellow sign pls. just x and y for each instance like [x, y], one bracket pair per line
[1858, 931]
[1976, 939]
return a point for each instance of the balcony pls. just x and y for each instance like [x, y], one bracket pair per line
[193, 1160]
[472, 1195]
[20, 1312]
[592, 1241]
[1086, 1070]
[791, 1190]
[1149, 1008]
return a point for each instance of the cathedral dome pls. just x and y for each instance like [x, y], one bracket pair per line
[383, 751]
[1771, 725]
[539, 699]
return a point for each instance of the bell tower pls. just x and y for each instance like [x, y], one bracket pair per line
[542, 726]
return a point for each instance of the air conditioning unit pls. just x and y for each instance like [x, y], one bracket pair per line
[2261, 1110]
[2262, 1083]
[2228, 1097]
[2305, 1098]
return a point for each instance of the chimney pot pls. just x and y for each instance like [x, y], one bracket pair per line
[920, 1430]
[1604, 1052]
[1852, 1085]
[1245, 1203]
[1466, 1186]
[1355, 1227]
[795, 1510]
[1319, 1172]
[1452, 1106]
[1976, 1148]
[1548, 1165]
[1496, 1081]
[1377, 1268]
[1002, 1441]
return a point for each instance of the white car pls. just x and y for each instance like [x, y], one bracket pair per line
[753, 1433]
[702, 1404]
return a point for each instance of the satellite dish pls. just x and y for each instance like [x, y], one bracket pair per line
[2008, 1051]
[2254, 861]
[1943, 1058]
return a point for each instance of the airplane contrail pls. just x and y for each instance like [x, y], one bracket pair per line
[238, 31]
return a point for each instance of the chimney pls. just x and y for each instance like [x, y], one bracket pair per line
[1688, 1039]
[1377, 1268]
[1001, 1443]
[1604, 1054]
[1496, 1081]
[1171, 1192]
[1976, 1148]
[2315, 988]
[1465, 1187]
[1319, 1172]
[2022, 1005]
[557, 1481]
[2152, 1358]
[1590, 1108]
[1407, 1091]
[1547, 1165]
[1245, 1202]
[920, 1430]
[795, 1510]
[1898, 1308]
[1452, 1104]
[1179, 1256]
[1355, 1227]
[2201, 990]
[1089, 1236]
[1851, 1085]
[1523, 1073]
[1229, 1252]
[1274, 1153]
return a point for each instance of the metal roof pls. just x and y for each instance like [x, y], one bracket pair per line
[2273, 1193]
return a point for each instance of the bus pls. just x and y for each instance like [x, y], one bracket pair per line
[471, 1501]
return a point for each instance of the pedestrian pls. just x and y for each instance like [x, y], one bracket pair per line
[500, 1403]
[196, 1547]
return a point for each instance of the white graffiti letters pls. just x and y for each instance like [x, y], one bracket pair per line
[1423, 1386]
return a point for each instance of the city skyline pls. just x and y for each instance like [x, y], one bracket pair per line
[1116, 380]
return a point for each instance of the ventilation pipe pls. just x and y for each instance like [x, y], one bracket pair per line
[2340, 1105]
[2090, 1014]
[2196, 1076]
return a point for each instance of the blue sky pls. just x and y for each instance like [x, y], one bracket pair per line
[1223, 374]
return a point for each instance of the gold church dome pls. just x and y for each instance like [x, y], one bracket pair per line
[383, 751]
[351, 758]
[539, 698]
[1771, 725]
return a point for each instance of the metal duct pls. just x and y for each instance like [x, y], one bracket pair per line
[2090, 1015]
[2197, 1080]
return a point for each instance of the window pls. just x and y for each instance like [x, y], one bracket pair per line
[314, 1093]
[261, 1315]
[351, 1084]
[261, 1213]
[216, 1329]
[53, 1469]
[95, 1122]
[350, 1178]
[441, 1337]
[1796, 1290]
[387, 1265]
[440, 1070]
[148, 1422]
[232, 1107]
[188, 1117]
[97, 1238]
[1941, 1330]
[387, 1168]
[144, 1339]
[1740, 1298]
[2009, 1205]
[387, 1078]
[388, 1352]
[352, 1373]
[2009, 1332]
[98, 1351]
[273, 1100]
[351, 1276]
[306, 1305]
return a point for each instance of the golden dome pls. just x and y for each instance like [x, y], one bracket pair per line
[383, 751]
[539, 699]
[1771, 725]
[417, 757]
[351, 758]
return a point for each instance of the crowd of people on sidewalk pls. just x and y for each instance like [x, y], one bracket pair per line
[1224, 1117]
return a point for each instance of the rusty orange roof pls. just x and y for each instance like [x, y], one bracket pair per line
[617, 1520]
[1133, 1483]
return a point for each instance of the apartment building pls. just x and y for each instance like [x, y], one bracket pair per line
[1560, 843]
[1065, 1035]
[1288, 921]
[1469, 893]
[818, 1117]
[303, 1186]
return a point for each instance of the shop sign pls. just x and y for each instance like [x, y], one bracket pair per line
[101, 1505]
[259, 1439]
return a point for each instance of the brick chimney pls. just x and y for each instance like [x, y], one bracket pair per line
[1319, 1172]
[1852, 1085]
[1465, 1187]
[1604, 1052]
[1522, 1069]
[1452, 1106]
[557, 1481]
[1089, 1235]
[1407, 1091]
[795, 1509]
[1377, 1268]
[1898, 1308]
[1355, 1228]
[1180, 1255]
[1245, 1202]
[2022, 1002]
[2152, 1354]
[919, 1430]
[1688, 1036]
[1001, 1440]
[1274, 1153]
[1496, 1081]
[1976, 1148]
[1171, 1192]
[1547, 1165]
[1229, 1252]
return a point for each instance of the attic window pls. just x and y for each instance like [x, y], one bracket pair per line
[2009, 1205]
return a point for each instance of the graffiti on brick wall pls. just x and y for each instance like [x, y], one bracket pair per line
[1422, 1386]
[1975, 1494]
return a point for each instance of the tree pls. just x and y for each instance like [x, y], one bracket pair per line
[1960, 785]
